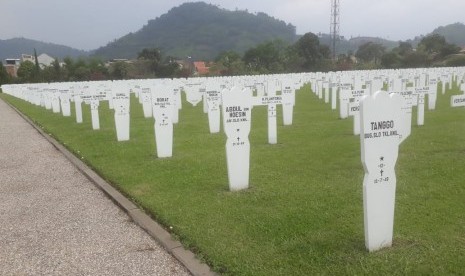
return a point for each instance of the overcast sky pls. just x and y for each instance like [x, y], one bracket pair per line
[89, 24]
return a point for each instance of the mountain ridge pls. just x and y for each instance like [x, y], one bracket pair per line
[453, 33]
[14, 47]
[202, 31]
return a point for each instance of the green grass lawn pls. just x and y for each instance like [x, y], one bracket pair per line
[303, 213]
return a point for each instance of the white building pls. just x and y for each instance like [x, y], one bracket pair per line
[25, 57]
[45, 60]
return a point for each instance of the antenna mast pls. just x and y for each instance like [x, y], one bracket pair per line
[334, 33]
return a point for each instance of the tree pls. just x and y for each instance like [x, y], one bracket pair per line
[119, 70]
[53, 73]
[403, 48]
[436, 46]
[68, 68]
[417, 59]
[152, 58]
[149, 54]
[432, 43]
[26, 71]
[168, 70]
[81, 73]
[97, 69]
[4, 76]
[391, 60]
[310, 51]
[457, 60]
[37, 65]
[268, 57]
[449, 49]
[370, 52]
[229, 63]
[344, 62]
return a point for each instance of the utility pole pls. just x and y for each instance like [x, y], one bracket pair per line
[334, 26]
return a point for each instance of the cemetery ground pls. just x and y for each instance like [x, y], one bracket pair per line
[303, 212]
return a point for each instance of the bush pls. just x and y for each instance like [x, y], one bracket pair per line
[455, 61]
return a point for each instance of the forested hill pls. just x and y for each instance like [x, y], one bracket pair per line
[14, 47]
[453, 33]
[200, 31]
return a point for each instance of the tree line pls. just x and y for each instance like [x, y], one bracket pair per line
[432, 51]
[305, 55]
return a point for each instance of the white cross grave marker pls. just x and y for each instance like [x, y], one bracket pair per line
[146, 99]
[78, 92]
[177, 102]
[55, 100]
[433, 93]
[353, 107]
[288, 100]
[271, 101]
[213, 100]
[380, 119]
[162, 111]
[421, 92]
[121, 103]
[326, 86]
[94, 104]
[48, 98]
[193, 94]
[344, 97]
[65, 102]
[237, 113]
[354, 111]
[421, 110]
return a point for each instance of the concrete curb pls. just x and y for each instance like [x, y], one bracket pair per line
[175, 248]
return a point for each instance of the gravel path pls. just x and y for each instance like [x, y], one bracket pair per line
[54, 221]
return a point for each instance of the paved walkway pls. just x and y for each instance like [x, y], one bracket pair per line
[54, 221]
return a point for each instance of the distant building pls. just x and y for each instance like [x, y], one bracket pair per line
[121, 60]
[45, 60]
[11, 66]
[12, 61]
[201, 68]
[25, 57]
[115, 60]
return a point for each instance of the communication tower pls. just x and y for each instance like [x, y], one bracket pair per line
[334, 32]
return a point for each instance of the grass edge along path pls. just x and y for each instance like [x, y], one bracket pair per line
[303, 213]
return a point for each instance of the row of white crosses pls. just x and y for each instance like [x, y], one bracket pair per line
[382, 121]
[59, 96]
[236, 118]
[118, 96]
[160, 99]
[385, 121]
[413, 85]
[234, 97]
